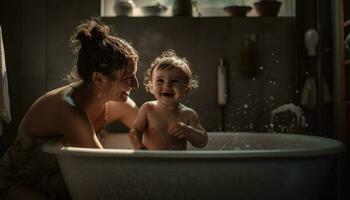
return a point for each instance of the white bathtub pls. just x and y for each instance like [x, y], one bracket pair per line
[240, 166]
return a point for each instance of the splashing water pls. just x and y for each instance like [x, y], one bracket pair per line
[296, 122]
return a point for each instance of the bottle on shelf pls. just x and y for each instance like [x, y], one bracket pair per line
[124, 7]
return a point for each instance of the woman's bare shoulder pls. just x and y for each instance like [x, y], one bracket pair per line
[48, 110]
[50, 99]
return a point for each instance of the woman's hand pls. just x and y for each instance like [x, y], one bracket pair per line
[141, 147]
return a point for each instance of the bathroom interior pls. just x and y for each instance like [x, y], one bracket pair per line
[280, 70]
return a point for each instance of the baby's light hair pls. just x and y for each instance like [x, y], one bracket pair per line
[168, 60]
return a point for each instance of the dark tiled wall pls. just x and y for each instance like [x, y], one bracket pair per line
[203, 41]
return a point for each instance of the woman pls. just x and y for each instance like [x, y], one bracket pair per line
[105, 72]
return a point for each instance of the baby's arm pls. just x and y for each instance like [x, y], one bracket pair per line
[194, 132]
[139, 126]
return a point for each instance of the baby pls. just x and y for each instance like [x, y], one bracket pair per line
[167, 124]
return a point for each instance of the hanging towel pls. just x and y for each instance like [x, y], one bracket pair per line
[309, 93]
[5, 114]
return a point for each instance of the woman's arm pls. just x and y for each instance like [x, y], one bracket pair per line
[138, 128]
[125, 112]
[136, 139]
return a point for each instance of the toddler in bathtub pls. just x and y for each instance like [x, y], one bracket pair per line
[167, 124]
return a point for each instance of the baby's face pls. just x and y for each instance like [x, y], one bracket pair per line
[168, 85]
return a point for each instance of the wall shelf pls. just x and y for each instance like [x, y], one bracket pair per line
[205, 7]
[253, 21]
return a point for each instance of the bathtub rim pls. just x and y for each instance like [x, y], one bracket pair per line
[333, 147]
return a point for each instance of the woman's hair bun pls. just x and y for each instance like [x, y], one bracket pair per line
[98, 49]
[100, 32]
[92, 31]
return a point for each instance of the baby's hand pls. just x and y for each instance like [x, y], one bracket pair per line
[179, 130]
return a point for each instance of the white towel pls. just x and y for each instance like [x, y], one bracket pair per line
[309, 94]
[5, 114]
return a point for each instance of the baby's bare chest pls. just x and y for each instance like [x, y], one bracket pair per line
[163, 121]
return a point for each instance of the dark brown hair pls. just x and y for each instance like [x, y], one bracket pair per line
[99, 50]
[167, 60]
